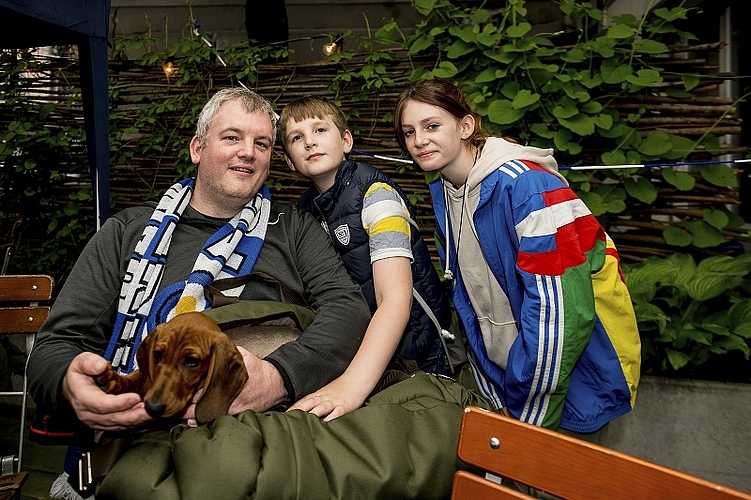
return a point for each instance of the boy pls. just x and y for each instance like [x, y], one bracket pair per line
[368, 218]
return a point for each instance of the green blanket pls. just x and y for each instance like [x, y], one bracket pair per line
[401, 444]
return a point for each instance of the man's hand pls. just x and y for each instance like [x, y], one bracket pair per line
[95, 408]
[263, 390]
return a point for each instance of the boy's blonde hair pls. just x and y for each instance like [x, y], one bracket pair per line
[303, 108]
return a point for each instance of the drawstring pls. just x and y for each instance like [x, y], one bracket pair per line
[447, 274]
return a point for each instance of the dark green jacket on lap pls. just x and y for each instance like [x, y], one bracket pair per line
[401, 444]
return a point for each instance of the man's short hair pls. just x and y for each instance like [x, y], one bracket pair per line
[250, 101]
[303, 108]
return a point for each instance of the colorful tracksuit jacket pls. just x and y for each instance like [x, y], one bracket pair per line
[570, 354]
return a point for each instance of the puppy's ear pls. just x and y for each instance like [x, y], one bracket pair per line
[146, 363]
[226, 378]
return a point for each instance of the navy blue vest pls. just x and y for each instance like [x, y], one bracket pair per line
[340, 207]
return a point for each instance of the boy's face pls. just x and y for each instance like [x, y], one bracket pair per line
[315, 148]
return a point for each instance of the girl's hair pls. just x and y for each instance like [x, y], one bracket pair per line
[250, 101]
[442, 94]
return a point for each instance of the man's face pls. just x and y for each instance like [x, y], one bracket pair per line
[234, 162]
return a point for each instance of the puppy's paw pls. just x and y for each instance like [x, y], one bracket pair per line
[110, 381]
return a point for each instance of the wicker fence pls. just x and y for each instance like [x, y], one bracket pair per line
[133, 181]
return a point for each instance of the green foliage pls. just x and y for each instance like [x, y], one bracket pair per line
[35, 158]
[523, 84]
[527, 86]
[688, 313]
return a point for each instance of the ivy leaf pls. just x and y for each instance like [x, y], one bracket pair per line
[712, 144]
[613, 72]
[719, 175]
[420, 44]
[501, 56]
[510, 89]
[620, 31]
[562, 139]
[566, 109]
[575, 55]
[613, 158]
[489, 36]
[519, 30]
[490, 75]
[716, 218]
[671, 14]
[542, 130]
[580, 124]
[677, 237]
[445, 70]
[705, 236]
[458, 49]
[645, 77]
[651, 47]
[502, 112]
[30, 164]
[524, 99]
[46, 110]
[689, 81]
[682, 180]
[425, 7]
[734, 220]
[592, 107]
[481, 15]
[594, 203]
[604, 121]
[466, 33]
[682, 146]
[641, 189]
[655, 145]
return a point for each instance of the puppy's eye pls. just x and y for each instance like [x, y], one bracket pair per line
[158, 356]
[191, 362]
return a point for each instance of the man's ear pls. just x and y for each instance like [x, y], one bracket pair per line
[289, 162]
[195, 150]
[347, 141]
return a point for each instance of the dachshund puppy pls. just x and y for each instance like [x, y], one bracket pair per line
[175, 360]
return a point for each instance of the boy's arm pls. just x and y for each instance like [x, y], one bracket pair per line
[392, 279]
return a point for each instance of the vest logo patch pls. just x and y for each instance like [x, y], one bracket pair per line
[342, 234]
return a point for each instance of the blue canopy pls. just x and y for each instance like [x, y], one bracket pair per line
[39, 23]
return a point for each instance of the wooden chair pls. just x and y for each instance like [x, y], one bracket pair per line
[24, 305]
[563, 466]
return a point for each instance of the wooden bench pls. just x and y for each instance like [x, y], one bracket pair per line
[24, 305]
[563, 466]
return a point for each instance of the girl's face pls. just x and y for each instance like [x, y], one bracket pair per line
[435, 138]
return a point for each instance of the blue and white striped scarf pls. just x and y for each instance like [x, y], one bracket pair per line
[231, 251]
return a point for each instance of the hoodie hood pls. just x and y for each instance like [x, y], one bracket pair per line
[498, 151]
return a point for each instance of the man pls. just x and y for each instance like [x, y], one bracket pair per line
[146, 264]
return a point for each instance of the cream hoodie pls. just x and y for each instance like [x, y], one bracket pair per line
[488, 300]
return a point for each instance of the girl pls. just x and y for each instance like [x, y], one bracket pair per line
[535, 278]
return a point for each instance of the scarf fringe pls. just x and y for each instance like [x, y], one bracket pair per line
[62, 489]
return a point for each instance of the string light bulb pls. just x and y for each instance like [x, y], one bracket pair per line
[169, 69]
[334, 46]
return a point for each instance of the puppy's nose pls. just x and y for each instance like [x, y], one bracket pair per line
[155, 409]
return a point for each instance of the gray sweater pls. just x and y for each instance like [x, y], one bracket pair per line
[296, 251]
